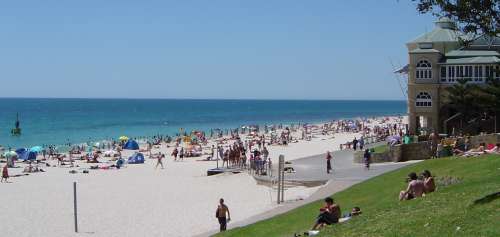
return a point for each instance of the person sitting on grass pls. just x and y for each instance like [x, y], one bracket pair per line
[475, 151]
[429, 185]
[329, 214]
[494, 150]
[415, 188]
[356, 211]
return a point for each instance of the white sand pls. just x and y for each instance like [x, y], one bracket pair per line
[177, 201]
[138, 200]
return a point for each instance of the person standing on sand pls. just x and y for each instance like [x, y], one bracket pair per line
[212, 152]
[355, 143]
[160, 160]
[220, 152]
[181, 154]
[328, 162]
[5, 174]
[220, 214]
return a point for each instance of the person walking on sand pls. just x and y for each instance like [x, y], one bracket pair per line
[174, 154]
[5, 174]
[220, 214]
[181, 154]
[159, 161]
[328, 162]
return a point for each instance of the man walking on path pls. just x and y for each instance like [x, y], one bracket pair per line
[328, 162]
[355, 143]
[220, 213]
[367, 159]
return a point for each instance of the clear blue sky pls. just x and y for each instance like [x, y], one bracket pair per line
[265, 49]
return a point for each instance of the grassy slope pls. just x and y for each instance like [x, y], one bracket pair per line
[438, 214]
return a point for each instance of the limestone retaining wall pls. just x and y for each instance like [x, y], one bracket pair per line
[487, 138]
[376, 157]
[399, 153]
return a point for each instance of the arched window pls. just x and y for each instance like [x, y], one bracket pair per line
[424, 70]
[423, 100]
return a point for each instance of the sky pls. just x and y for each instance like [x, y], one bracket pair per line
[253, 49]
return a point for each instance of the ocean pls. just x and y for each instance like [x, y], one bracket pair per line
[61, 121]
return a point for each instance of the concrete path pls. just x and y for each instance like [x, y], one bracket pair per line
[313, 168]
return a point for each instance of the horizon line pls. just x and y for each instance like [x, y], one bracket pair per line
[159, 98]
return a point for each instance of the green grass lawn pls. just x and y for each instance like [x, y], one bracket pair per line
[447, 212]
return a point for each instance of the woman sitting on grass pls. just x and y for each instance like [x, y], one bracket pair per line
[415, 188]
[329, 214]
[475, 151]
[429, 185]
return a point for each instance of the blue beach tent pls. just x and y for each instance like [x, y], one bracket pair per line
[131, 145]
[21, 151]
[32, 155]
[137, 158]
[25, 154]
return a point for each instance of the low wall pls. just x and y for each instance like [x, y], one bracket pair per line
[398, 153]
[487, 138]
[412, 151]
[376, 157]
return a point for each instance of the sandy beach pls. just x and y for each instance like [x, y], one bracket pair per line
[140, 200]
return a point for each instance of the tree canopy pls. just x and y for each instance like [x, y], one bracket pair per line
[472, 16]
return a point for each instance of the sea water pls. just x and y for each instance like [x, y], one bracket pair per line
[61, 121]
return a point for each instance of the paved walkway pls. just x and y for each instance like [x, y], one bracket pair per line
[313, 168]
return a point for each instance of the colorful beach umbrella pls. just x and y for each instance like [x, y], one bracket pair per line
[36, 149]
[123, 138]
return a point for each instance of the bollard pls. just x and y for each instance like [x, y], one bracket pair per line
[75, 207]
[281, 179]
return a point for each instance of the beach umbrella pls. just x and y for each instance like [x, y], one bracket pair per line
[123, 138]
[9, 154]
[36, 149]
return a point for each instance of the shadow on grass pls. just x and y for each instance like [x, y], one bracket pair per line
[487, 199]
